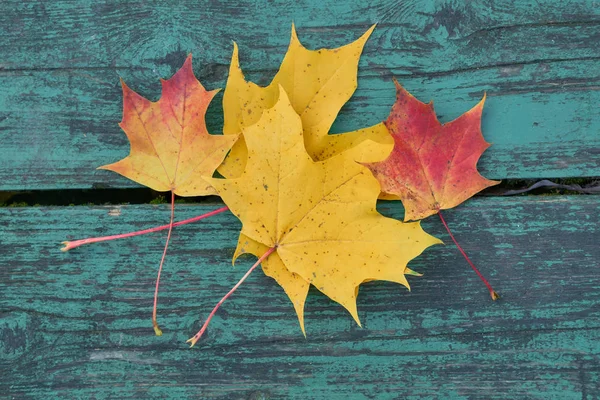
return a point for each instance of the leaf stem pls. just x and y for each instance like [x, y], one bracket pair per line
[157, 330]
[494, 295]
[76, 243]
[198, 335]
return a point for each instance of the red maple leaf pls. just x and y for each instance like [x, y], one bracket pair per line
[432, 167]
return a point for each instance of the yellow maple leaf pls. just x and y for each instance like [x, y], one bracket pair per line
[320, 216]
[318, 84]
[170, 147]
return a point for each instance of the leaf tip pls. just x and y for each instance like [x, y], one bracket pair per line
[409, 271]
[188, 61]
[294, 34]
[67, 246]
[401, 92]
[107, 167]
[234, 67]
[353, 312]
[495, 295]
[294, 41]
[364, 37]
[370, 30]
[479, 106]
[124, 86]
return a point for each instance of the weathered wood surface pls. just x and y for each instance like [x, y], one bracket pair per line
[60, 63]
[77, 324]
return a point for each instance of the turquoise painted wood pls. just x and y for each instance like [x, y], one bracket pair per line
[77, 324]
[61, 62]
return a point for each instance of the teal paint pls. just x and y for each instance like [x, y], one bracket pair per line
[62, 60]
[77, 324]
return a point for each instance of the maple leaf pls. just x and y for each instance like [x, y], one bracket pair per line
[318, 84]
[432, 167]
[171, 149]
[318, 218]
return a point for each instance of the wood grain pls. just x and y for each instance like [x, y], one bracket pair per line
[77, 324]
[61, 62]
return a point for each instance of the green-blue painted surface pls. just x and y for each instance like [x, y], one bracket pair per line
[77, 324]
[61, 61]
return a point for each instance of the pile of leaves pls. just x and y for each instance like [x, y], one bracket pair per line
[306, 198]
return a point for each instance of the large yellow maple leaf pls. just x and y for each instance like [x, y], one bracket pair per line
[171, 150]
[320, 216]
[318, 84]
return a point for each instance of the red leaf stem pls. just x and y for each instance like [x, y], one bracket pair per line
[198, 335]
[76, 243]
[494, 295]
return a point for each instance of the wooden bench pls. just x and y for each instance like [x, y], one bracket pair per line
[77, 324]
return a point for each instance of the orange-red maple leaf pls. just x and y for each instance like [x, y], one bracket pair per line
[171, 149]
[170, 146]
[432, 166]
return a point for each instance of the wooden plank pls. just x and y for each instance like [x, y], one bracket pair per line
[429, 37]
[77, 324]
[61, 62]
